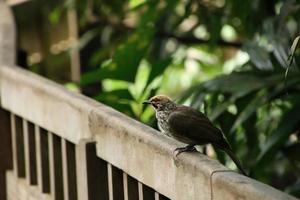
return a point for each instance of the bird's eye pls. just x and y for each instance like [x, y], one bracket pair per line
[154, 104]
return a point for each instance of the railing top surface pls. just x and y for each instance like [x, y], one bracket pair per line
[131, 146]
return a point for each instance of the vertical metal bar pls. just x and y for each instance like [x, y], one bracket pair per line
[38, 157]
[14, 143]
[125, 186]
[81, 170]
[65, 168]
[156, 196]
[51, 164]
[26, 150]
[140, 187]
[110, 181]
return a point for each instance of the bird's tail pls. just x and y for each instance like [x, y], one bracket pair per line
[224, 146]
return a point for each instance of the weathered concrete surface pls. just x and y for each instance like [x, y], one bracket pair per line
[45, 103]
[7, 35]
[18, 189]
[147, 155]
[127, 144]
[230, 185]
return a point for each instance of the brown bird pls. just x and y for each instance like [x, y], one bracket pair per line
[189, 126]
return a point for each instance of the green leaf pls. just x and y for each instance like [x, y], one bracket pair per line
[278, 138]
[238, 84]
[90, 77]
[55, 15]
[260, 99]
[158, 68]
[115, 95]
[291, 56]
[258, 55]
[118, 99]
[127, 58]
[221, 107]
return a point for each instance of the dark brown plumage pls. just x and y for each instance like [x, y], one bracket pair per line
[189, 126]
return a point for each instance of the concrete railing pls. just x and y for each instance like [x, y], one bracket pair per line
[63, 145]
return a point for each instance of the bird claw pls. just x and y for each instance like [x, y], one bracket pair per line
[187, 148]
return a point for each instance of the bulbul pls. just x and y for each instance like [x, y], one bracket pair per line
[189, 126]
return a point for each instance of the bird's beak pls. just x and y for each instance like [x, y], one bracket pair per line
[147, 102]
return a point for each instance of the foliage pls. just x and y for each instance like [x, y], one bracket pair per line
[227, 58]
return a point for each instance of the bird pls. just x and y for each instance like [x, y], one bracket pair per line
[190, 126]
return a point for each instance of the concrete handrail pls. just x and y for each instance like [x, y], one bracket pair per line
[138, 150]
[7, 35]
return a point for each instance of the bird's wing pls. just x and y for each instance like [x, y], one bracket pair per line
[191, 123]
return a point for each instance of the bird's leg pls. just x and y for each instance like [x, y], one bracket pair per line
[189, 147]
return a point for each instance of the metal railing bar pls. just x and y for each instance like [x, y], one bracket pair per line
[26, 150]
[81, 170]
[14, 144]
[38, 157]
[125, 186]
[140, 189]
[65, 169]
[156, 196]
[110, 182]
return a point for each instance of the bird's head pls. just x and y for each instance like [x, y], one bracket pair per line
[160, 102]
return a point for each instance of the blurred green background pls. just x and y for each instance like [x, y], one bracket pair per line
[227, 58]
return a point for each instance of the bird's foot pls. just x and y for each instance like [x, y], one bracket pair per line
[179, 150]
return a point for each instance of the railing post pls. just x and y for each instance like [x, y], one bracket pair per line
[7, 35]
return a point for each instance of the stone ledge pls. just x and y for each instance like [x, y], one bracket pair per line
[148, 156]
[137, 149]
[46, 103]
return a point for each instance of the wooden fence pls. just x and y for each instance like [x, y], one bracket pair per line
[55, 144]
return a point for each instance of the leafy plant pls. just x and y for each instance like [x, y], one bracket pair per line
[257, 106]
[228, 59]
